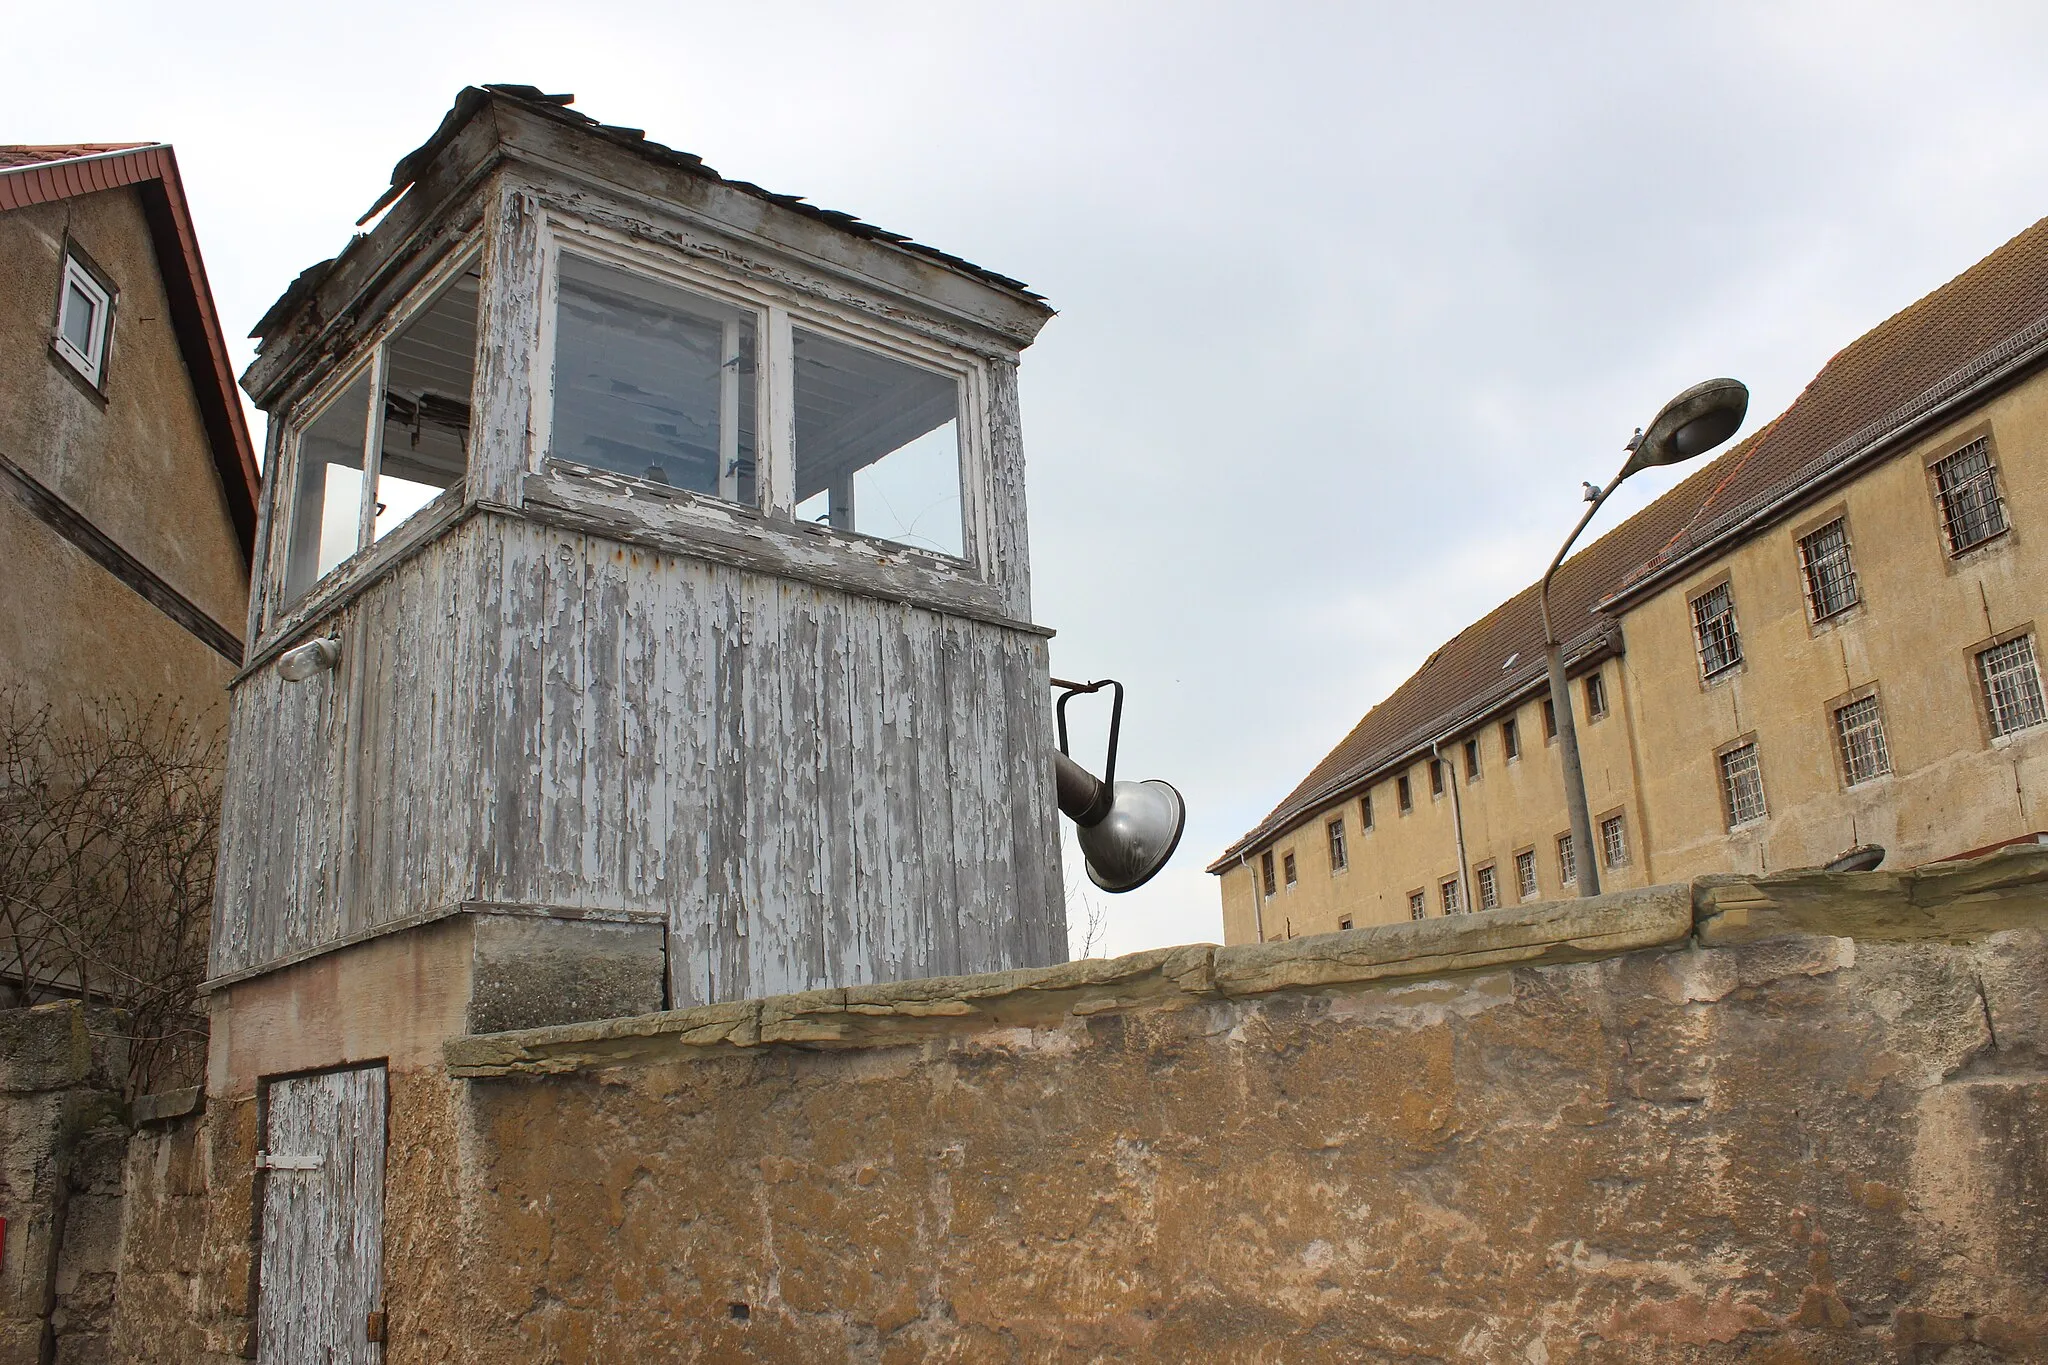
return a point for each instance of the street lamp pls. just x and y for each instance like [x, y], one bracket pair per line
[1691, 424]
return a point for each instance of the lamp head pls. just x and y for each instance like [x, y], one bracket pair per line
[1131, 843]
[1691, 424]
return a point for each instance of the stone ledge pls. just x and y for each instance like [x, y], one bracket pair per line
[1162, 978]
[167, 1105]
[1949, 902]
[1942, 901]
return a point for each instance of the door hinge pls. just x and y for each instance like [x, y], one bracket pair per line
[273, 1161]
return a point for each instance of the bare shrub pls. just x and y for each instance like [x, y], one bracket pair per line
[109, 824]
[1092, 918]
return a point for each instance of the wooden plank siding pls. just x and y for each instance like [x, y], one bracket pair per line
[815, 788]
[322, 1253]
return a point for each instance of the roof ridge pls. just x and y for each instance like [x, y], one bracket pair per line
[1989, 320]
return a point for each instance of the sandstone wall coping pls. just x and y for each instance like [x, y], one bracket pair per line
[1948, 902]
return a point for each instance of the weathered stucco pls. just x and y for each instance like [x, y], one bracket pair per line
[134, 462]
[1797, 1119]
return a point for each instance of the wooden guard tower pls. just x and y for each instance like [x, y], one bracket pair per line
[643, 553]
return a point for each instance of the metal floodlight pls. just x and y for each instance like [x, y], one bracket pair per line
[1691, 424]
[1127, 830]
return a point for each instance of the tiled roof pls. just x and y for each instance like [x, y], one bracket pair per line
[1978, 328]
[41, 175]
[11, 157]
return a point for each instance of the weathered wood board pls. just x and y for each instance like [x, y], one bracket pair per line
[322, 1269]
[815, 788]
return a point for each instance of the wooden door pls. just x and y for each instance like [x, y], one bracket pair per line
[322, 1272]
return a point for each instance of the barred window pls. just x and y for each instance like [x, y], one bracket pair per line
[1404, 794]
[1971, 512]
[1549, 720]
[1511, 738]
[1830, 577]
[1449, 892]
[1418, 905]
[1613, 841]
[1436, 776]
[1471, 759]
[1567, 861]
[1344, 923]
[1489, 888]
[1365, 811]
[1859, 730]
[1287, 866]
[1338, 859]
[1742, 787]
[1525, 873]
[2012, 686]
[1713, 625]
[1266, 871]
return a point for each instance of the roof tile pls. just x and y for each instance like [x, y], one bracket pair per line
[1994, 313]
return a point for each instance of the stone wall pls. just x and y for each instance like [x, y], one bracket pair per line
[1790, 1119]
[61, 1143]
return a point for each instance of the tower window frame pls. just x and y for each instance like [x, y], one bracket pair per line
[316, 535]
[785, 321]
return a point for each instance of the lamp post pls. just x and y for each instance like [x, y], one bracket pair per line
[1691, 424]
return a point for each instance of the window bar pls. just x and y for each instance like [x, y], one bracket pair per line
[373, 447]
[729, 411]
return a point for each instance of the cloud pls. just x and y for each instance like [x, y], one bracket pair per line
[1352, 296]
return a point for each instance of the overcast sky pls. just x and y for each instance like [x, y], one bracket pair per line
[1351, 297]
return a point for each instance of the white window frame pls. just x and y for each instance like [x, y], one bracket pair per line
[92, 362]
[779, 311]
[371, 358]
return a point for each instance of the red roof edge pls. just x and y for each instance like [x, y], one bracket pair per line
[152, 168]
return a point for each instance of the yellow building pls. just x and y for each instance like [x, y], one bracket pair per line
[1824, 638]
[127, 480]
